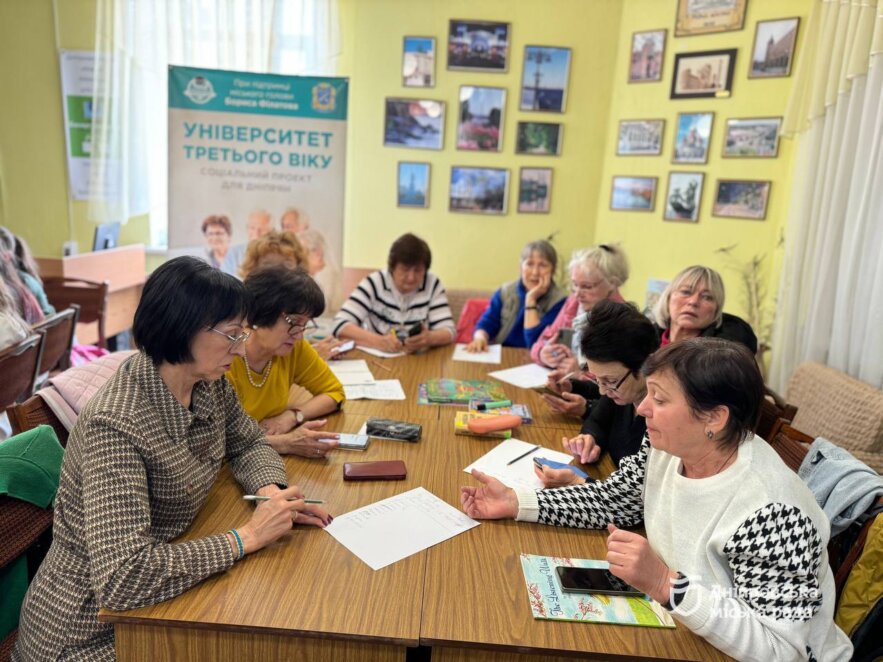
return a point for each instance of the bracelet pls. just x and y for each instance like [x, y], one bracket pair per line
[238, 539]
[530, 307]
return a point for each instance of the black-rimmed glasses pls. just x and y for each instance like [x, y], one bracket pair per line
[294, 328]
[614, 388]
[235, 341]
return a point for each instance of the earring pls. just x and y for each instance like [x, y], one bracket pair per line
[709, 434]
[254, 326]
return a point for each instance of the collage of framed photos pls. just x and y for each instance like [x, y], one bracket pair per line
[478, 46]
[704, 74]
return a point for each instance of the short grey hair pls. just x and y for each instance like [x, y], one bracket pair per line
[609, 259]
[544, 249]
[689, 277]
[312, 240]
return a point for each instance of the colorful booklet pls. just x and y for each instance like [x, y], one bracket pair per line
[461, 425]
[549, 602]
[463, 390]
[518, 410]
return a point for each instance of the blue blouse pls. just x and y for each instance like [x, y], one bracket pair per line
[491, 322]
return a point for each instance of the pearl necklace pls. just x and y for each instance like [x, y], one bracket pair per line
[265, 374]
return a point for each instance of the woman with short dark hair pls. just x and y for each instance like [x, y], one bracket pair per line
[736, 543]
[275, 357]
[139, 464]
[402, 309]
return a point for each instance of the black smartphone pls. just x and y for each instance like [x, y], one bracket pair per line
[565, 337]
[415, 329]
[593, 580]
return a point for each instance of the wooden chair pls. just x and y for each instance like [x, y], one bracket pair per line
[33, 412]
[89, 295]
[791, 444]
[59, 329]
[773, 410]
[20, 365]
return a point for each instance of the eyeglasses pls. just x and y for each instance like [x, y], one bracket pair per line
[608, 386]
[294, 328]
[585, 287]
[235, 341]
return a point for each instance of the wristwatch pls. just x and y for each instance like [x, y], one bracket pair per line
[298, 417]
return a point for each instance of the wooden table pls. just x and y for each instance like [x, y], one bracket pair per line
[308, 598]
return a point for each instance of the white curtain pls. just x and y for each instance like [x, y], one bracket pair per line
[140, 39]
[830, 302]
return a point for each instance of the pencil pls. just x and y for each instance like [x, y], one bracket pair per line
[532, 450]
[380, 365]
[565, 377]
[255, 497]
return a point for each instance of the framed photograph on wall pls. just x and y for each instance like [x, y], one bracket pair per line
[479, 190]
[480, 124]
[534, 190]
[753, 137]
[542, 138]
[418, 62]
[413, 185]
[648, 54]
[773, 51]
[478, 46]
[640, 137]
[633, 193]
[703, 74]
[684, 196]
[704, 16]
[418, 123]
[740, 198]
[544, 80]
[692, 137]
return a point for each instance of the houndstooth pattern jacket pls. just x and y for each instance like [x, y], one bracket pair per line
[137, 469]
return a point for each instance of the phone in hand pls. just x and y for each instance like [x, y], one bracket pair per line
[547, 391]
[552, 464]
[565, 337]
[593, 580]
[415, 329]
[345, 347]
[353, 442]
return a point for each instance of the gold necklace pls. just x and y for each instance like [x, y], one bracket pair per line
[265, 374]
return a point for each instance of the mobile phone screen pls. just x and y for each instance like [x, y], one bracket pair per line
[345, 347]
[593, 580]
[353, 441]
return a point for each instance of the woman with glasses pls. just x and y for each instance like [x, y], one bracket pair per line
[276, 357]
[735, 545]
[615, 345]
[139, 464]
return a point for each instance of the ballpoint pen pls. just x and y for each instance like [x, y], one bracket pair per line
[255, 497]
[565, 377]
[532, 450]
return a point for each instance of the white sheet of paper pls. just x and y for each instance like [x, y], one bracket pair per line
[352, 371]
[492, 355]
[529, 375]
[395, 528]
[521, 473]
[378, 352]
[382, 389]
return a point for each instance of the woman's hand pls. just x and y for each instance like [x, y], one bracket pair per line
[583, 447]
[274, 518]
[569, 404]
[280, 424]
[633, 560]
[325, 346]
[492, 500]
[307, 440]
[557, 477]
[387, 343]
[535, 293]
[478, 344]
[554, 353]
[418, 342]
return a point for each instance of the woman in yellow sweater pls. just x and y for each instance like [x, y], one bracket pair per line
[283, 303]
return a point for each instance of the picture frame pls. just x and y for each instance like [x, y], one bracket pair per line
[418, 62]
[544, 78]
[640, 137]
[752, 137]
[692, 138]
[412, 184]
[648, 56]
[534, 190]
[703, 74]
[773, 51]
[695, 17]
[742, 198]
[683, 197]
[478, 46]
[415, 123]
[628, 193]
[478, 190]
[480, 118]
[539, 138]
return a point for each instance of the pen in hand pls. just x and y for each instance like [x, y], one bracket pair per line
[255, 497]
[565, 377]
[532, 450]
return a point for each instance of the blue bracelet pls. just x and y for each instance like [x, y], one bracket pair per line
[235, 534]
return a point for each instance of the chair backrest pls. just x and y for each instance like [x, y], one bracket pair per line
[791, 444]
[59, 329]
[773, 409]
[20, 365]
[33, 412]
[89, 295]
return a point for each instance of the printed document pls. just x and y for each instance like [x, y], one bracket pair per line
[352, 371]
[529, 375]
[382, 389]
[519, 473]
[492, 355]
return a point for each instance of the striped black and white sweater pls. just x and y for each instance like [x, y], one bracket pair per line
[750, 543]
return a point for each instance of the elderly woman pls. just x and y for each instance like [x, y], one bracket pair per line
[276, 357]
[272, 249]
[595, 274]
[13, 328]
[321, 266]
[139, 464]
[26, 303]
[692, 305]
[26, 267]
[404, 308]
[218, 233]
[522, 309]
[736, 543]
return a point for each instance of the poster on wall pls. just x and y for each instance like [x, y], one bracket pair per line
[267, 152]
[77, 78]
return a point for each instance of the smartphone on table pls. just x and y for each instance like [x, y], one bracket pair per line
[593, 580]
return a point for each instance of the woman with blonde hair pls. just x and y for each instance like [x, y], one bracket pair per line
[274, 248]
[13, 328]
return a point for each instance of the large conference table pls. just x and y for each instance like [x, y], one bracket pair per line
[308, 598]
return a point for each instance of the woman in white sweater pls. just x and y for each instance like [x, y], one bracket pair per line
[736, 544]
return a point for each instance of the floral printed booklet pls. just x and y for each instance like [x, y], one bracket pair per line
[548, 601]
